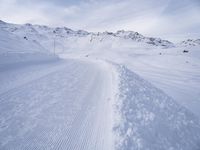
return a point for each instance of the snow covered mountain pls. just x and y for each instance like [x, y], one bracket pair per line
[45, 36]
[140, 38]
[64, 37]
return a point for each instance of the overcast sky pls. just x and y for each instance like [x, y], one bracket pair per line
[171, 19]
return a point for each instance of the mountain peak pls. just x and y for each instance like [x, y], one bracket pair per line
[63, 32]
[28, 24]
[2, 22]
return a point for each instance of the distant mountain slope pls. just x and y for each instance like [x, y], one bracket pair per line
[190, 42]
[66, 38]
[140, 38]
[14, 49]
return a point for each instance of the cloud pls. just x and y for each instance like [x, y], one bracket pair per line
[162, 18]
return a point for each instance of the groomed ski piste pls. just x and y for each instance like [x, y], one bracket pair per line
[83, 102]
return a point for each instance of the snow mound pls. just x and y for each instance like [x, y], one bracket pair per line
[149, 119]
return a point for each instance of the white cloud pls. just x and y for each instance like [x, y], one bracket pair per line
[162, 18]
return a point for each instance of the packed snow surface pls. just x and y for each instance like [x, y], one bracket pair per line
[76, 90]
[63, 105]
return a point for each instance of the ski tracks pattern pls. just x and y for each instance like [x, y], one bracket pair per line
[66, 109]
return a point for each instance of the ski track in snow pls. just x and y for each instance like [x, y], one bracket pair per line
[67, 106]
[70, 104]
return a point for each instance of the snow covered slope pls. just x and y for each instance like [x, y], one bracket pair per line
[13, 44]
[152, 120]
[15, 50]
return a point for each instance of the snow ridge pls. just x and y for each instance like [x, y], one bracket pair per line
[140, 38]
[39, 32]
[152, 120]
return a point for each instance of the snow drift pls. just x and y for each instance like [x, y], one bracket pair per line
[152, 120]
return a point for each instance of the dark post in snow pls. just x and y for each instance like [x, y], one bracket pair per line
[54, 43]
